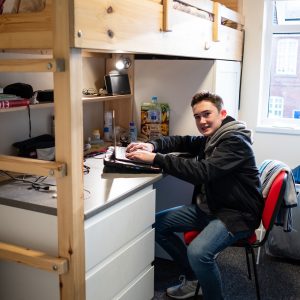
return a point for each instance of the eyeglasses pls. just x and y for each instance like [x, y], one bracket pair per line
[89, 91]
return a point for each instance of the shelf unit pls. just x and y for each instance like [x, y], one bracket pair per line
[84, 101]
[65, 63]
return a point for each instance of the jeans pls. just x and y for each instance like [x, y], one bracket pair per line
[198, 259]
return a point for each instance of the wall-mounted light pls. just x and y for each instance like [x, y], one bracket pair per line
[123, 63]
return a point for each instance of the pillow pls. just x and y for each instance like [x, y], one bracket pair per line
[21, 6]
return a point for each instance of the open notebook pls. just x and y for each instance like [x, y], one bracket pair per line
[117, 160]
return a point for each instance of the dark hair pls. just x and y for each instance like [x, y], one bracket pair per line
[216, 100]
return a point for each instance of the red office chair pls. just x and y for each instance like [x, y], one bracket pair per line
[272, 206]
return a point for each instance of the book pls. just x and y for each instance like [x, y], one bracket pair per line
[10, 97]
[14, 103]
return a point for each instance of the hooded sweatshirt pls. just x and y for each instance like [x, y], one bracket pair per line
[223, 170]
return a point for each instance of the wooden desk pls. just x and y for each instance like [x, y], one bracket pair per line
[119, 239]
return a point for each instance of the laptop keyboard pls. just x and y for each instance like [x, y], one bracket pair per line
[120, 154]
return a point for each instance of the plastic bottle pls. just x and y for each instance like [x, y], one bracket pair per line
[96, 134]
[154, 119]
[96, 140]
[132, 132]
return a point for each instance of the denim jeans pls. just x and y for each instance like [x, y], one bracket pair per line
[198, 259]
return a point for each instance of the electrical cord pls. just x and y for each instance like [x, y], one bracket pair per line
[29, 119]
[37, 184]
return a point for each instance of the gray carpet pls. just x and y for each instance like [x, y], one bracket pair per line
[279, 278]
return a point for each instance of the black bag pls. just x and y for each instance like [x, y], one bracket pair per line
[19, 89]
[45, 96]
[29, 147]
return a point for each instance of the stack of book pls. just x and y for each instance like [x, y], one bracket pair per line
[8, 101]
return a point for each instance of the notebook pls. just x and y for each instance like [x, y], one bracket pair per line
[117, 161]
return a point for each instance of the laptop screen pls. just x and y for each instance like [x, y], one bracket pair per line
[117, 84]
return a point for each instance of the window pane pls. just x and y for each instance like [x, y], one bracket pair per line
[286, 12]
[286, 55]
[284, 92]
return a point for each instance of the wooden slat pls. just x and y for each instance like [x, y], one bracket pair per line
[140, 31]
[236, 5]
[32, 258]
[32, 166]
[231, 15]
[31, 65]
[167, 15]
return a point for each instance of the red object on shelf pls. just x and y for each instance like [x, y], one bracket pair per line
[14, 103]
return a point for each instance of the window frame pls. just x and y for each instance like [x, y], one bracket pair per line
[264, 123]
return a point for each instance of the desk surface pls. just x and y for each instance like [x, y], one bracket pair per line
[101, 190]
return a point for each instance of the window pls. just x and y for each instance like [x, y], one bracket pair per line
[281, 97]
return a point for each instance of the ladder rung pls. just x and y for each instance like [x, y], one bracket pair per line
[32, 65]
[32, 166]
[33, 258]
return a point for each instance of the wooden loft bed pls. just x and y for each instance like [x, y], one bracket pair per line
[191, 28]
[69, 29]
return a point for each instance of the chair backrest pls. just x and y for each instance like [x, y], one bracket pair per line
[272, 205]
[273, 201]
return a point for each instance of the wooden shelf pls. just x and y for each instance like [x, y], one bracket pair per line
[85, 99]
[32, 106]
[104, 98]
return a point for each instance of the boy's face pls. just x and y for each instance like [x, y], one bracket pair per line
[207, 117]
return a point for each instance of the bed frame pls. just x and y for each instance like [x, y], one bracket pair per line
[148, 26]
[68, 29]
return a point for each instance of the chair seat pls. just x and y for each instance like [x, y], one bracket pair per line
[190, 235]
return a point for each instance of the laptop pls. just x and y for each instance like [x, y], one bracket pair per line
[117, 84]
[117, 161]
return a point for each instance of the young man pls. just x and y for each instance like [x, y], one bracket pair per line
[227, 202]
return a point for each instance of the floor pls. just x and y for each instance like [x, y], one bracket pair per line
[279, 279]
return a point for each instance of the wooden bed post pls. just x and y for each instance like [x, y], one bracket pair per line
[69, 149]
[217, 22]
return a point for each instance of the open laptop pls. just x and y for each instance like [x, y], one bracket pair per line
[117, 160]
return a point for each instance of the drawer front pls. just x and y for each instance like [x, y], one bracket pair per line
[107, 279]
[140, 289]
[111, 229]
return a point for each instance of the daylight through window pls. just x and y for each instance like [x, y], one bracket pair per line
[282, 97]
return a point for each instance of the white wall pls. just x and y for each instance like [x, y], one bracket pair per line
[266, 145]
[174, 82]
[14, 125]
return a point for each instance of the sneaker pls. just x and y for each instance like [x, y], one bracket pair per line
[184, 290]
